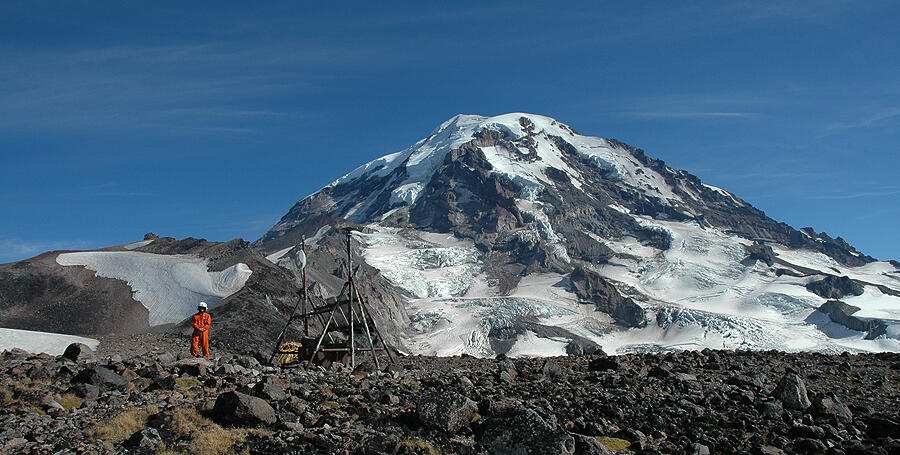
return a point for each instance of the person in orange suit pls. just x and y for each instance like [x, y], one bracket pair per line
[200, 322]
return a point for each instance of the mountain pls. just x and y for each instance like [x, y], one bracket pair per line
[517, 234]
[512, 234]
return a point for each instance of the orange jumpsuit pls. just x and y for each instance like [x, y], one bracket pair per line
[200, 338]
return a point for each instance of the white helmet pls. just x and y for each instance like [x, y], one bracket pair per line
[202, 305]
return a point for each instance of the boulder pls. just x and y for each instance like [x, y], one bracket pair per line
[882, 427]
[792, 392]
[163, 383]
[831, 406]
[144, 440]
[446, 411]
[235, 408]
[269, 391]
[104, 378]
[80, 353]
[194, 366]
[85, 391]
[604, 364]
[551, 369]
[522, 431]
[586, 445]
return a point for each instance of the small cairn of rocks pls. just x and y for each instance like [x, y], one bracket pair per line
[699, 402]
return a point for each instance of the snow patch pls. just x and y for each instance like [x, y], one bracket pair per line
[169, 286]
[274, 257]
[38, 342]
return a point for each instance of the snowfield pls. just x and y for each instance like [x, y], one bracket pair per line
[169, 286]
[700, 296]
[38, 342]
[700, 292]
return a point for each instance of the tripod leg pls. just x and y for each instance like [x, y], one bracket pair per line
[380, 337]
[368, 334]
[321, 337]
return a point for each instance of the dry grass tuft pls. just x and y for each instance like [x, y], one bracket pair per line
[614, 444]
[70, 401]
[122, 426]
[204, 436]
[419, 446]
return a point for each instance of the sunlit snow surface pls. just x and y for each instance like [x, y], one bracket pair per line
[37, 342]
[420, 162]
[169, 286]
[700, 295]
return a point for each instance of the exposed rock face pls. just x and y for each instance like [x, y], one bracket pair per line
[761, 252]
[593, 288]
[842, 313]
[833, 287]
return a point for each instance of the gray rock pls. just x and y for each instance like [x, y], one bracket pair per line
[833, 287]
[80, 353]
[586, 445]
[446, 411]
[882, 427]
[235, 408]
[792, 392]
[145, 439]
[269, 391]
[699, 449]
[85, 391]
[194, 366]
[604, 364]
[163, 383]
[772, 409]
[522, 431]
[551, 369]
[831, 406]
[102, 377]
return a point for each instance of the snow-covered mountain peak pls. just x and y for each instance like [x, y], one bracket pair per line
[499, 231]
[533, 151]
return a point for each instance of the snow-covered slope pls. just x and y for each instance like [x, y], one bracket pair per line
[169, 286]
[38, 342]
[482, 223]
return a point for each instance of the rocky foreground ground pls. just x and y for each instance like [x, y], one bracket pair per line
[137, 396]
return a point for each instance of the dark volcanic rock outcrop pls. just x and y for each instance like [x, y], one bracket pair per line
[833, 287]
[593, 288]
[842, 313]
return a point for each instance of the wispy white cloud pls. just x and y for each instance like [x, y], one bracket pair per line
[875, 193]
[689, 115]
[867, 121]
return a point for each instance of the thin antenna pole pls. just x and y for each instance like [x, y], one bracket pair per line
[305, 293]
[350, 293]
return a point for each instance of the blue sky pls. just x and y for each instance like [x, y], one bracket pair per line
[120, 118]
